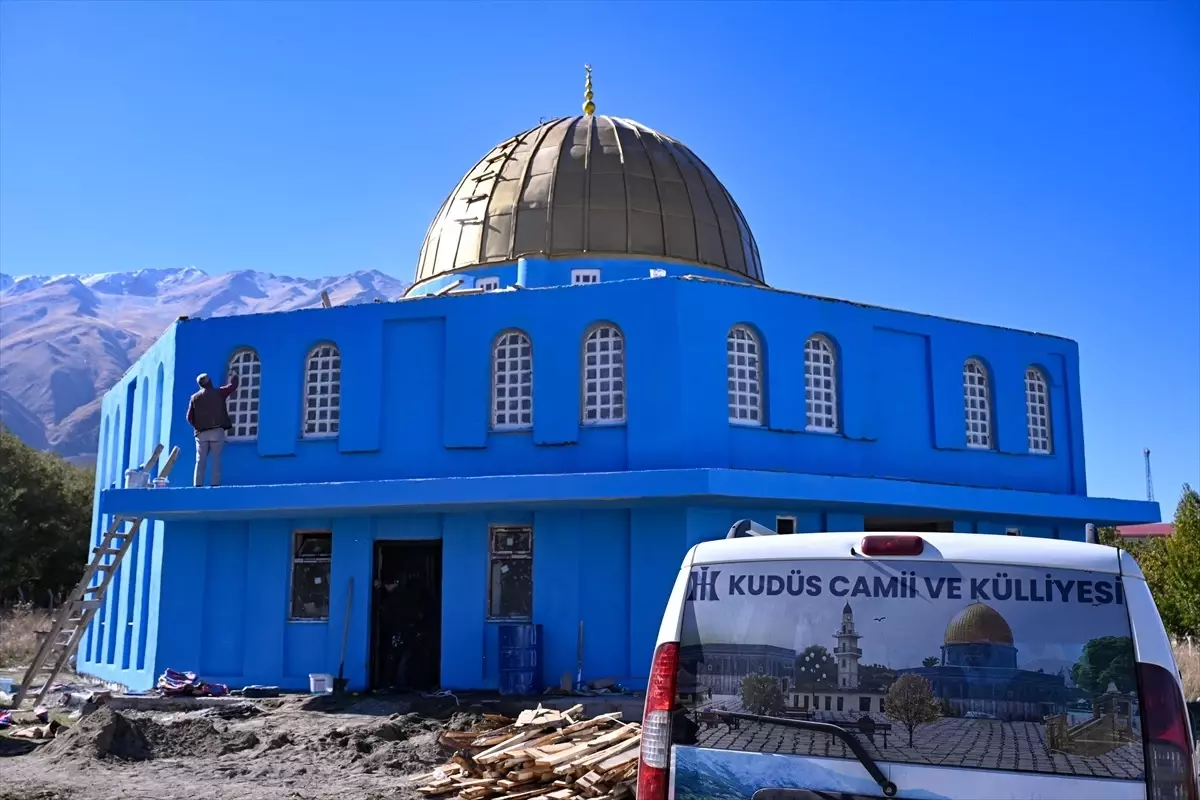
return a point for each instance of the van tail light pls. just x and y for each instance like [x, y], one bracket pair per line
[892, 545]
[655, 757]
[1170, 771]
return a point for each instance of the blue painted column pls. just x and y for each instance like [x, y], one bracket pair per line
[464, 600]
[267, 597]
[353, 543]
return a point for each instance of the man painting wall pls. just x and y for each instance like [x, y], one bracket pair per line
[209, 416]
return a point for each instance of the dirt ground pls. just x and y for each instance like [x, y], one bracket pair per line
[292, 747]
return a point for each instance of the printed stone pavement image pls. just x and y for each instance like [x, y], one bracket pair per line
[1001, 668]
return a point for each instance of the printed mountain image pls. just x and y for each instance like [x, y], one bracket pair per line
[66, 339]
[1019, 670]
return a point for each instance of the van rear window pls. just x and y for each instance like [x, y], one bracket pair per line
[957, 665]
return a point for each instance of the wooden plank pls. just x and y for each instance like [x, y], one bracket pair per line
[588, 747]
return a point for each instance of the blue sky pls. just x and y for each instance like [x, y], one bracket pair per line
[1032, 165]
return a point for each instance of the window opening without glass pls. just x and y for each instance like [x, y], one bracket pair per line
[510, 572]
[512, 382]
[604, 376]
[242, 405]
[310, 575]
[584, 276]
[977, 405]
[785, 525]
[323, 392]
[744, 371]
[488, 284]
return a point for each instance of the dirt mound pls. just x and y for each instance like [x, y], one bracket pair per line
[102, 734]
[110, 734]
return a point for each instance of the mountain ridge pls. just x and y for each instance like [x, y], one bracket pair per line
[65, 339]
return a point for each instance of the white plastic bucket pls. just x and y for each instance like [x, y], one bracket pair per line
[136, 479]
[6, 685]
[320, 682]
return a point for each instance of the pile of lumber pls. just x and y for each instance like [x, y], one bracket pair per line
[543, 755]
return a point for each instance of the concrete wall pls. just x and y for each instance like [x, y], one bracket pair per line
[135, 416]
[416, 389]
[223, 589]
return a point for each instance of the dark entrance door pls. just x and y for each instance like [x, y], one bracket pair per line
[406, 615]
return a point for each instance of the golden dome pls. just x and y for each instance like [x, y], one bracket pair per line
[590, 185]
[979, 624]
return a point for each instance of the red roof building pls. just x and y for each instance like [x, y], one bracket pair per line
[1151, 530]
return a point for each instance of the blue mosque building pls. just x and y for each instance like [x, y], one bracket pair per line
[589, 375]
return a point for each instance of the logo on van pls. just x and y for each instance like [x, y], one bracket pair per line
[702, 585]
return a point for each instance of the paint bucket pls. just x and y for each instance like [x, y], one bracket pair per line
[159, 483]
[320, 682]
[136, 479]
[6, 685]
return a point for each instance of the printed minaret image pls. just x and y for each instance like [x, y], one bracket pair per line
[847, 651]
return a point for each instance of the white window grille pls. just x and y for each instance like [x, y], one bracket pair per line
[820, 386]
[512, 382]
[604, 376]
[488, 284]
[744, 371]
[323, 392]
[977, 405]
[584, 276]
[242, 405]
[1037, 411]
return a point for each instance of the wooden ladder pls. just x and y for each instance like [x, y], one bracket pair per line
[85, 599]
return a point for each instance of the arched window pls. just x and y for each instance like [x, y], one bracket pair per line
[820, 385]
[977, 405]
[1037, 411]
[243, 404]
[604, 376]
[512, 382]
[743, 362]
[323, 392]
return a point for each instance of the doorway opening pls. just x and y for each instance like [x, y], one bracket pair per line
[406, 616]
[907, 525]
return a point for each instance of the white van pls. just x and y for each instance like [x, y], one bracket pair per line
[855, 666]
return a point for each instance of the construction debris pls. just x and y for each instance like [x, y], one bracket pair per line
[543, 755]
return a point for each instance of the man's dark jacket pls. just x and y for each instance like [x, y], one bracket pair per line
[207, 410]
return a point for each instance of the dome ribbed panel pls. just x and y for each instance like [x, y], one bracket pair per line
[589, 185]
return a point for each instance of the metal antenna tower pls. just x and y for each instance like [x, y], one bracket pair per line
[1149, 477]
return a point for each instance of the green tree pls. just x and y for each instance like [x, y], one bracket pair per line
[761, 694]
[45, 520]
[1174, 573]
[815, 669]
[1171, 566]
[910, 702]
[931, 661]
[1108, 659]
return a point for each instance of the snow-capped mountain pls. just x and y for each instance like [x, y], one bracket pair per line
[65, 339]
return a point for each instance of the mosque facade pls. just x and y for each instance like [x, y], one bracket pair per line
[589, 375]
[978, 674]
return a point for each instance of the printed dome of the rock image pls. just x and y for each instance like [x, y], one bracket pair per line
[589, 185]
[979, 624]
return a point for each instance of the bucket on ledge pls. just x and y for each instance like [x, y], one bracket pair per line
[521, 654]
[320, 683]
[136, 478]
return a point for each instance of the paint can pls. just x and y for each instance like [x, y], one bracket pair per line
[320, 682]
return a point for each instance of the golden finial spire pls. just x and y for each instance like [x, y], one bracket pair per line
[588, 106]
